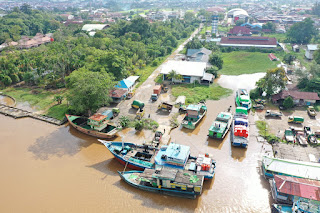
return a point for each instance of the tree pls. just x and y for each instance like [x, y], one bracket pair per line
[274, 80]
[88, 90]
[7, 80]
[58, 99]
[215, 59]
[302, 32]
[316, 9]
[288, 102]
[288, 58]
[239, 22]
[314, 70]
[124, 121]
[174, 75]
[213, 70]
[138, 125]
[26, 8]
[194, 44]
[270, 26]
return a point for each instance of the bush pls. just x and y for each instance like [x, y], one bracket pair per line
[255, 93]
[7, 80]
[155, 63]
[288, 103]
[15, 78]
[124, 121]
[138, 125]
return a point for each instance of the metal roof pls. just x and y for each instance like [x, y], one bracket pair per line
[292, 167]
[186, 68]
[124, 84]
[91, 27]
[298, 187]
[312, 47]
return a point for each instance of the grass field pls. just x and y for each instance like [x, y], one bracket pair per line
[241, 62]
[196, 93]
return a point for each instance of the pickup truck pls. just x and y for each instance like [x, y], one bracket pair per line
[270, 113]
[311, 111]
[288, 135]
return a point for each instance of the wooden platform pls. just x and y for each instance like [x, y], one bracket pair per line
[20, 113]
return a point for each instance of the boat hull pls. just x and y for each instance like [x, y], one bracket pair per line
[164, 191]
[93, 133]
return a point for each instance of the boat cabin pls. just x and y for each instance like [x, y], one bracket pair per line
[176, 179]
[174, 155]
[97, 121]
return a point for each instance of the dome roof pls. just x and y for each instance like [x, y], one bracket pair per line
[238, 12]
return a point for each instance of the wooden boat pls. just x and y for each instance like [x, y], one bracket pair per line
[273, 166]
[96, 125]
[140, 157]
[194, 115]
[240, 128]
[243, 98]
[167, 181]
[178, 156]
[281, 208]
[221, 125]
[131, 155]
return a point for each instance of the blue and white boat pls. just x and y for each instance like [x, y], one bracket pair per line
[240, 128]
[165, 180]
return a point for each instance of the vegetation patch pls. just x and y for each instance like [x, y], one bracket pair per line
[242, 62]
[145, 123]
[196, 93]
[58, 111]
[264, 132]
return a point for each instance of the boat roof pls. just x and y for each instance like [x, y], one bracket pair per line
[224, 116]
[176, 175]
[244, 98]
[292, 167]
[97, 117]
[193, 107]
[218, 126]
[175, 152]
[300, 187]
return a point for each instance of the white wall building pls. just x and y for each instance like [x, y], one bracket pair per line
[310, 50]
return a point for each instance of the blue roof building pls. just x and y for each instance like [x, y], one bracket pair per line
[125, 84]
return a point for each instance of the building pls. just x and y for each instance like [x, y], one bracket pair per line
[254, 28]
[92, 28]
[299, 98]
[198, 55]
[248, 42]
[214, 24]
[310, 50]
[272, 57]
[239, 31]
[26, 42]
[118, 95]
[190, 71]
[237, 14]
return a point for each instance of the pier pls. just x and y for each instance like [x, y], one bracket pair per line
[20, 113]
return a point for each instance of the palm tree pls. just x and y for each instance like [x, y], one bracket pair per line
[172, 75]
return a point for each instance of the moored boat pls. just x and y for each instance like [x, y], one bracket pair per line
[97, 125]
[133, 156]
[243, 99]
[194, 115]
[221, 125]
[167, 181]
[281, 208]
[240, 128]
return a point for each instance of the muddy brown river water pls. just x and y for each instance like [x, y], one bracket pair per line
[46, 168]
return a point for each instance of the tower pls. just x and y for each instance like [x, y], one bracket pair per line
[215, 20]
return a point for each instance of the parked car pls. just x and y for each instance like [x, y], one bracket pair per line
[311, 111]
[288, 135]
[270, 113]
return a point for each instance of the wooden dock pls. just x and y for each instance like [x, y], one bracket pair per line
[20, 113]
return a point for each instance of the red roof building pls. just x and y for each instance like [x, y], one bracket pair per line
[299, 98]
[248, 42]
[118, 94]
[97, 117]
[239, 31]
[272, 57]
[299, 187]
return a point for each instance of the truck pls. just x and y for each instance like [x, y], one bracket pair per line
[139, 114]
[311, 111]
[156, 92]
[270, 113]
[165, 106]
[288, 135]
[137, 104]
[295, 119]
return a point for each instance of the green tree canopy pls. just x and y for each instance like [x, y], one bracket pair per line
[302, 32]
[288, 102]
[88, 90]
[274, 80]
[270, 26]
[215, 59]
[288, 58]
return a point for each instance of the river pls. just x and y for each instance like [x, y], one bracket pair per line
[46, 168]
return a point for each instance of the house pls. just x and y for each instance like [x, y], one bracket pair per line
[128, 83]
[254, 28]
[198, 55]
[248, 42]
[118, 95]
[286, 189]
[239, 31]
[190, 71]
[296, 48]
[310, 50]
[299, 98]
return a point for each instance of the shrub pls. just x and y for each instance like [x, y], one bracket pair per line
[138, 125]
[124, 121]
[7, 80]
[288, 103]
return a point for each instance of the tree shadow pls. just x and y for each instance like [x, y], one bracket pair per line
[238, 153]
[60, 143]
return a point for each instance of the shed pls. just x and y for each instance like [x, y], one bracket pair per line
[125, 84]
[272, 57]
[296, 48]
[310, 50]
[118, 94]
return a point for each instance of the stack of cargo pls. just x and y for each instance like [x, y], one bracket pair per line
[240, 128]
